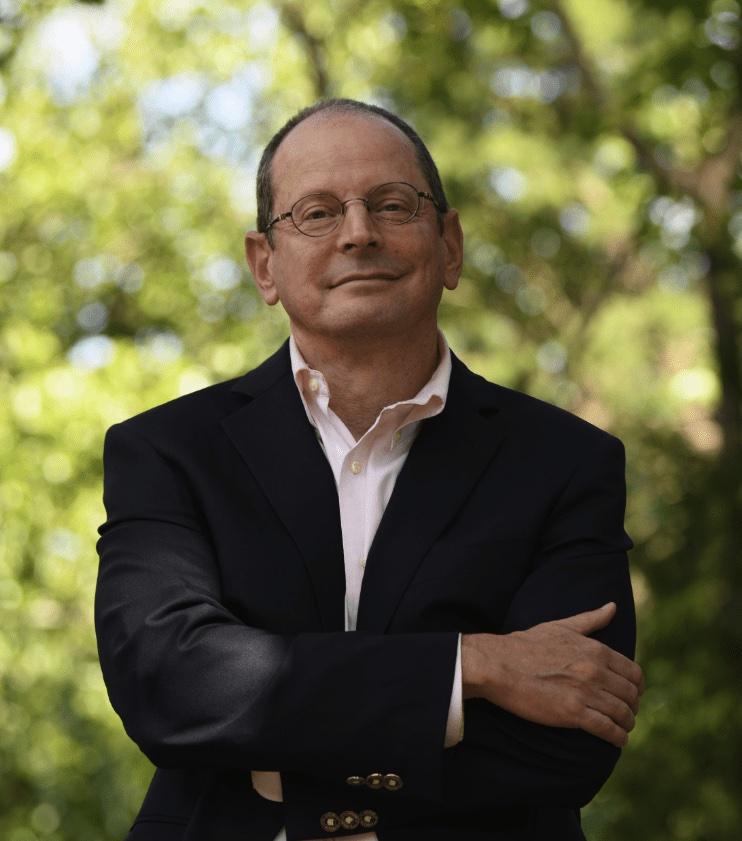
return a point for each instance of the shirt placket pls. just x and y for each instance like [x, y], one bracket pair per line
[354, 504]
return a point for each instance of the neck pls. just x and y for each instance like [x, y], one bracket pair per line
[367, 374]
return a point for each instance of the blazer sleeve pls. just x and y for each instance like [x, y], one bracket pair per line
[196, 687]
[581, 564]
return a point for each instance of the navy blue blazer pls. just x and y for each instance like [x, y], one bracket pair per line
[219, 613]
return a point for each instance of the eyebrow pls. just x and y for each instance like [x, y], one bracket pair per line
[328, 191]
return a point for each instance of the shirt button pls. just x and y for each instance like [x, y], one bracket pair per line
[314, 384]
[356, 467]
[363, 562]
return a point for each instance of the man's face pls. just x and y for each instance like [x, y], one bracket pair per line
[365, 278]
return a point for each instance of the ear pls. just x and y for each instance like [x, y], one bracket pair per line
[453, 244]
[259, 254]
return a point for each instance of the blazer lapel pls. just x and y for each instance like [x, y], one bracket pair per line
[449, 454]
[280, 447]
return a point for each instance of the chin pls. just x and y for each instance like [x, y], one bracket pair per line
[371, 326]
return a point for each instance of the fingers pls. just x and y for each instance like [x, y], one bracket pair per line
[565, 702]
[627, 669]
[617, 674]
[590, 620]
[567, 679]
[621, 688]
[604, 727]
[601, 653]
[617, 710]
[603, 715]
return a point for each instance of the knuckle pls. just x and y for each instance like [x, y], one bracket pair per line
[590, 645]
[583, 718]
[593, 644]
[602, 653]
[582, 668]
[575, 707]
[590, 670]
[593, 670]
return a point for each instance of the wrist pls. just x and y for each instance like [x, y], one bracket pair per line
[472, 666]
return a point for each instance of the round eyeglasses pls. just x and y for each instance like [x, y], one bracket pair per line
[320, 213]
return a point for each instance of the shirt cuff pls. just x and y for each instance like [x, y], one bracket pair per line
[455, 723]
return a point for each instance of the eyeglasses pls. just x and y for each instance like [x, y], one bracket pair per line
[320, 213]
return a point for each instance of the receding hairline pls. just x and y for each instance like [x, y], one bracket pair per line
[336, 109]
[337, 114]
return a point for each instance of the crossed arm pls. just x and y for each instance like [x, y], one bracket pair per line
[555, 674]
[197, 687]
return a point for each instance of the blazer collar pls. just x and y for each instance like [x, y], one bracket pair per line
[280, 447]
[266, 374]
[281, 450]
[449, 455]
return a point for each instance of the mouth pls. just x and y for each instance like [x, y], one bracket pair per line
[365, 276]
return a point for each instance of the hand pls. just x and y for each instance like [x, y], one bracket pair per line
[555, 674]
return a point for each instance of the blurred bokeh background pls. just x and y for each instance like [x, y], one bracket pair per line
[593, 149]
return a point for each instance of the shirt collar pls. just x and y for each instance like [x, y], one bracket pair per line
[434, 391]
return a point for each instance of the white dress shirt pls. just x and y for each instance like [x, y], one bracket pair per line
[365, 472]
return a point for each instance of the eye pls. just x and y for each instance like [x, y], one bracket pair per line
[394, 202]
[316, 212]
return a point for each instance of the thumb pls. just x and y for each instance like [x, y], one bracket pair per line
[590, 620]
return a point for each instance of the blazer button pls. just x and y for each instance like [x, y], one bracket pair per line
[392, 781]
[330, 822]
[375, 780]
[369, 818]
[349, 820]
[355, 780]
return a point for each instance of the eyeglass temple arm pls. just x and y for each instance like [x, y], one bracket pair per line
[278, 218]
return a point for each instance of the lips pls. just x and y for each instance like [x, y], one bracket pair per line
[365, 276]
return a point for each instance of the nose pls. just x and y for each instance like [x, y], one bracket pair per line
[357, 227]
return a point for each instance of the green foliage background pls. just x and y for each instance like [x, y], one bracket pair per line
[593, 149]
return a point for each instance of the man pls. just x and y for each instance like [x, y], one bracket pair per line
[363, 480]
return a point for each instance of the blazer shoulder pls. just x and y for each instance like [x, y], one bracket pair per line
[188, 416]
[198, 412]
[538, 419]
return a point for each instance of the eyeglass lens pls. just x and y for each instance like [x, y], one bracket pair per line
[318, 214]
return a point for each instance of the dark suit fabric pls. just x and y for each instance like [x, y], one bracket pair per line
[220, 612]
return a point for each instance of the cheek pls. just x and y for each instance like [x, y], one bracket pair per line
[298, 277]
[422, 248]
[303, 257]
[290, 265]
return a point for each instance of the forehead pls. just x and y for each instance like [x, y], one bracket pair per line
[342, 153]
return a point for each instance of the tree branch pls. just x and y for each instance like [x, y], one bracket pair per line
[293, 20]
[709, 182]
